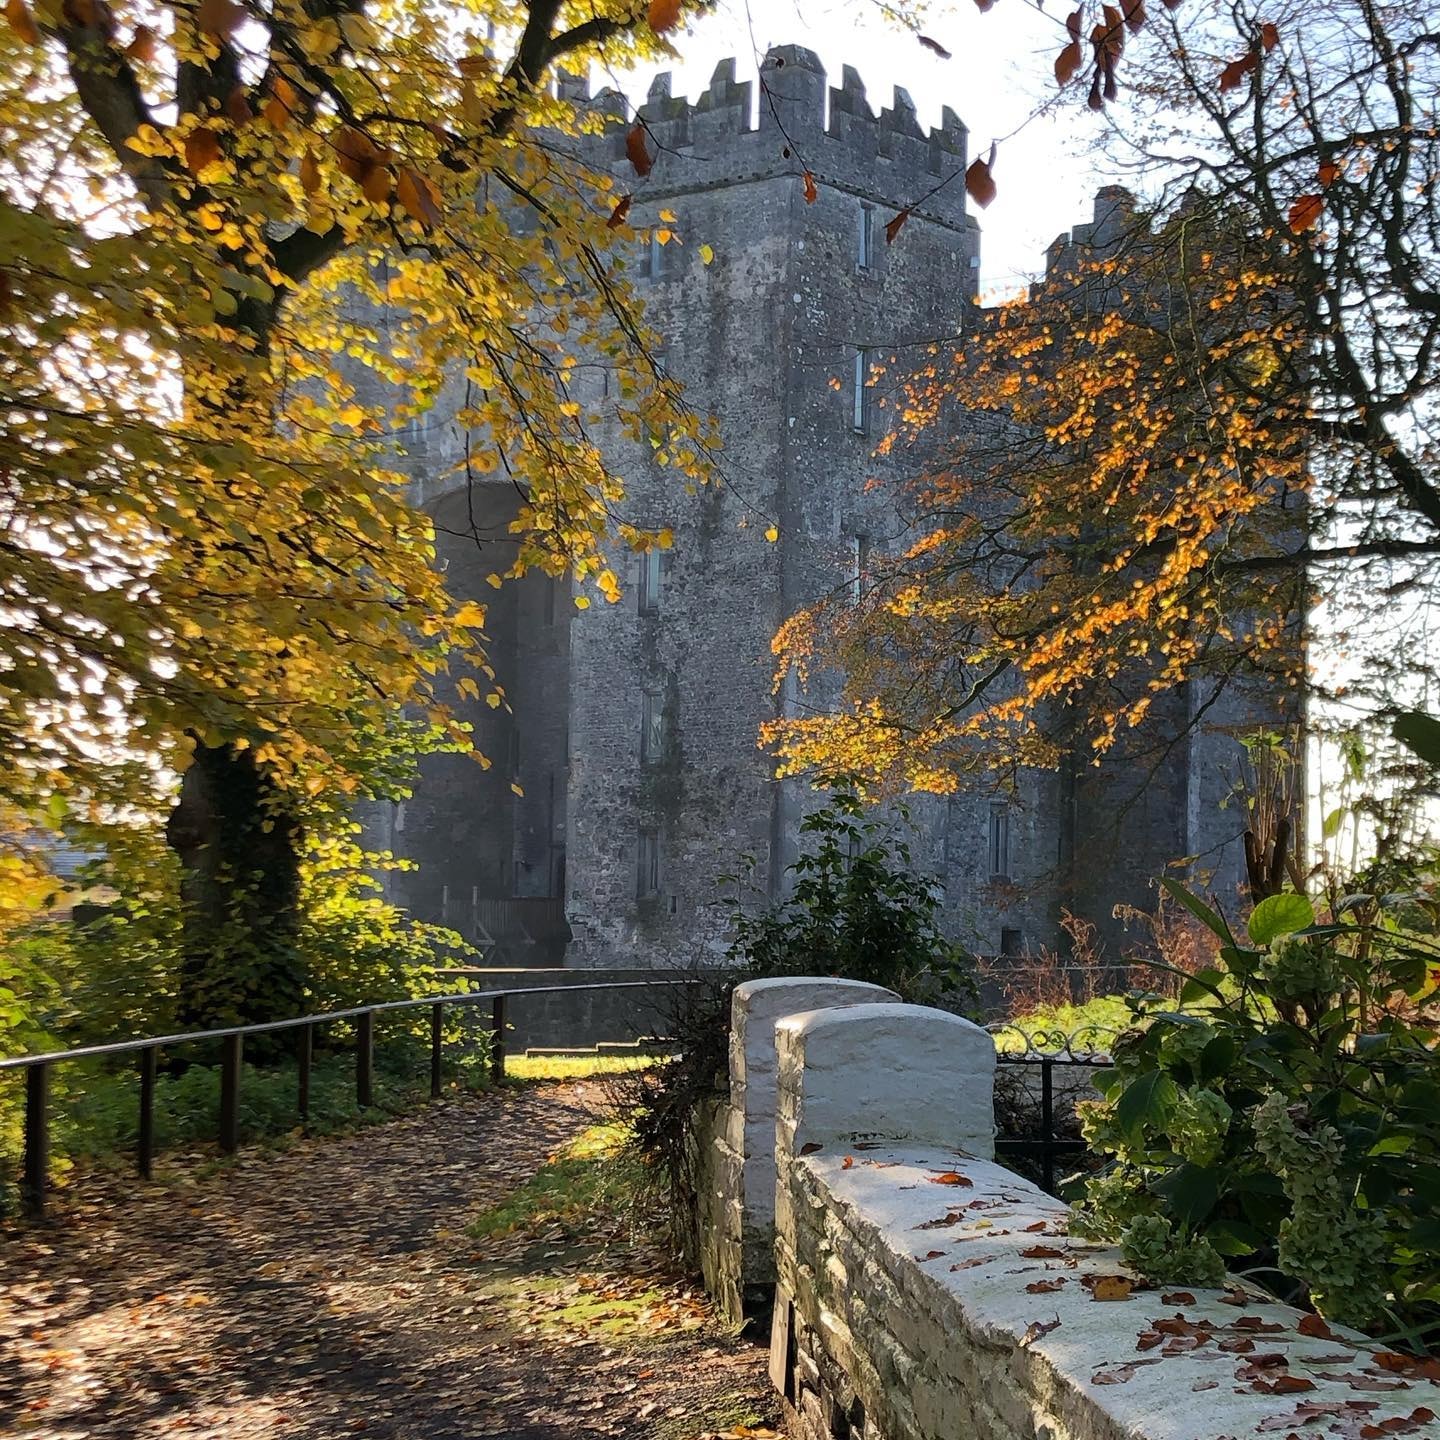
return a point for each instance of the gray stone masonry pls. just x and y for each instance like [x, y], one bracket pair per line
[634, 732]
[927, 1293]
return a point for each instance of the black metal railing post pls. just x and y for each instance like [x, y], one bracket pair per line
[146, 1049]
[37, 1141]
[497, 1039]
[437, 1039]
[365, 1059]
[231, 1053]
[145, 1148]
[304, 1057]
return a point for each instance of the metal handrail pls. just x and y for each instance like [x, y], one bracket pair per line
[35, 1176]
[190, 1037]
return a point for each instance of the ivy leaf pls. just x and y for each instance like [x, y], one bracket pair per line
[934, 45]
[895, 225]
[1305, 212]
[663, 15]
[1420, 734]
[419, 196]
[22, 22]
[979, 183]
[1197, 907]
[638, 151]
[1147, 1101]
[1269, 36]
[619, 213]
[1067, 63]
[811, 193]
[1280, 915]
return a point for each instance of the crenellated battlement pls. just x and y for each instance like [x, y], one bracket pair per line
[788, 121]
[1114, 219]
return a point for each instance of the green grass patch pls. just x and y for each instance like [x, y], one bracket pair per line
[1093, 1024]
[591, 1176]
[573, 1067]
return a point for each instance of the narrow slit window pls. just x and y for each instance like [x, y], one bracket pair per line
[999, 842]
[859, 564]
[652, 728]
[652, 581]
[865, 238]
[648, 866]
[860, 393]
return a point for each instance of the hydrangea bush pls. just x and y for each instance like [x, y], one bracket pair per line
[1286, 1122]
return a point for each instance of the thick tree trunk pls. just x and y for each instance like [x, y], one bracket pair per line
[239, 842]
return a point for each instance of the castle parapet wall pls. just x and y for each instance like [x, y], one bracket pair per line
[788, 122]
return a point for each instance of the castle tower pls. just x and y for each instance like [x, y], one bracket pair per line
[667, 790]
[633, 736]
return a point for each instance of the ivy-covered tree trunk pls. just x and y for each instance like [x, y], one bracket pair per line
[239, 842]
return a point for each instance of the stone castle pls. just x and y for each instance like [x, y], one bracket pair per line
[633, 734]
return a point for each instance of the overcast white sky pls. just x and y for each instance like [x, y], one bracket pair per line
[1000, 72]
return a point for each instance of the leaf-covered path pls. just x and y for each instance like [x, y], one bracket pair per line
[333, 1290]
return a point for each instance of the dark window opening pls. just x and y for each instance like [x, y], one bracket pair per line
[999, 846]
[648, 865]
[652, 581]
[865, 238]
[860, 393]
[652, 728]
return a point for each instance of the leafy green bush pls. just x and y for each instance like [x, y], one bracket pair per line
[116, 977]
[858, 910]
[1287, 1121]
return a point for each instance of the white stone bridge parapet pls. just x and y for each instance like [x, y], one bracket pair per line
[737, 1141]
[926, 1293]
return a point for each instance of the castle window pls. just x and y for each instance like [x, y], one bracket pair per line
[652, 581]
[655, 256]
[859, 564]
[865, 238]
[860, 393]
[647, 876]
[999, 846]
[1012, 944]
[652, 728]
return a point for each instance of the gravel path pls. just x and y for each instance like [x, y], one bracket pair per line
[332, 1290]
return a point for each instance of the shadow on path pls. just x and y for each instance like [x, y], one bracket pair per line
[332, 1290]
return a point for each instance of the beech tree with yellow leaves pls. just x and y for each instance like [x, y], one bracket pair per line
[1213, 416]
[209, 566]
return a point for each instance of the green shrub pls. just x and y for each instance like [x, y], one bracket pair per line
[1287, 1121]
[857, 911]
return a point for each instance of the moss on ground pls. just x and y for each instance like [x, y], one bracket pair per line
[590, 1177]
